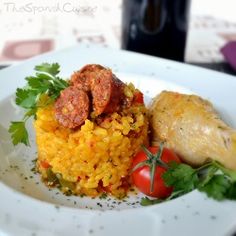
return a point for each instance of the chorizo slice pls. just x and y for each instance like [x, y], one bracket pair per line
[83, 78]
[72, 107]
[107, 92]
[79, 81]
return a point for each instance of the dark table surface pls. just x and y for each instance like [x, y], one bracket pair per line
[222, 67]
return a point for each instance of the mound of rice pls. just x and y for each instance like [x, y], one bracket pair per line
[94, 158]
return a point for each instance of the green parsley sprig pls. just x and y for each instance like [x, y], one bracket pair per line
[212, 178]
[41, 89]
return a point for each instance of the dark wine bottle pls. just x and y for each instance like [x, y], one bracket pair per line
[156, 27]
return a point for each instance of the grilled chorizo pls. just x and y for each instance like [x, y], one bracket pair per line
[107, 93]
[83, 78]
[72, 107]
[106, 89]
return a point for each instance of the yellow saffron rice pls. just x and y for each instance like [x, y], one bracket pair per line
[93, 157]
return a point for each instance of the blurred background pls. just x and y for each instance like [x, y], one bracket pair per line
[29, 28]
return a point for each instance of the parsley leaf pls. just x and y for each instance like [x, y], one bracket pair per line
[44, 87]
[52, 69]
[181, 176]
[39, 84]
[25, 98]
[231, 193]
[18, 132]
[217, 187]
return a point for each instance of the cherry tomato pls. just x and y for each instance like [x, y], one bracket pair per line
[141, 176]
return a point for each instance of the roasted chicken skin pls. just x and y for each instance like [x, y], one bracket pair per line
[192, 128]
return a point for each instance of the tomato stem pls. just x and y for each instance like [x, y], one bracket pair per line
[155, 160]
[152, 174]
[156, 157]
[139, 165]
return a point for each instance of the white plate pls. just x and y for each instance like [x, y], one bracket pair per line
[28, 208]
